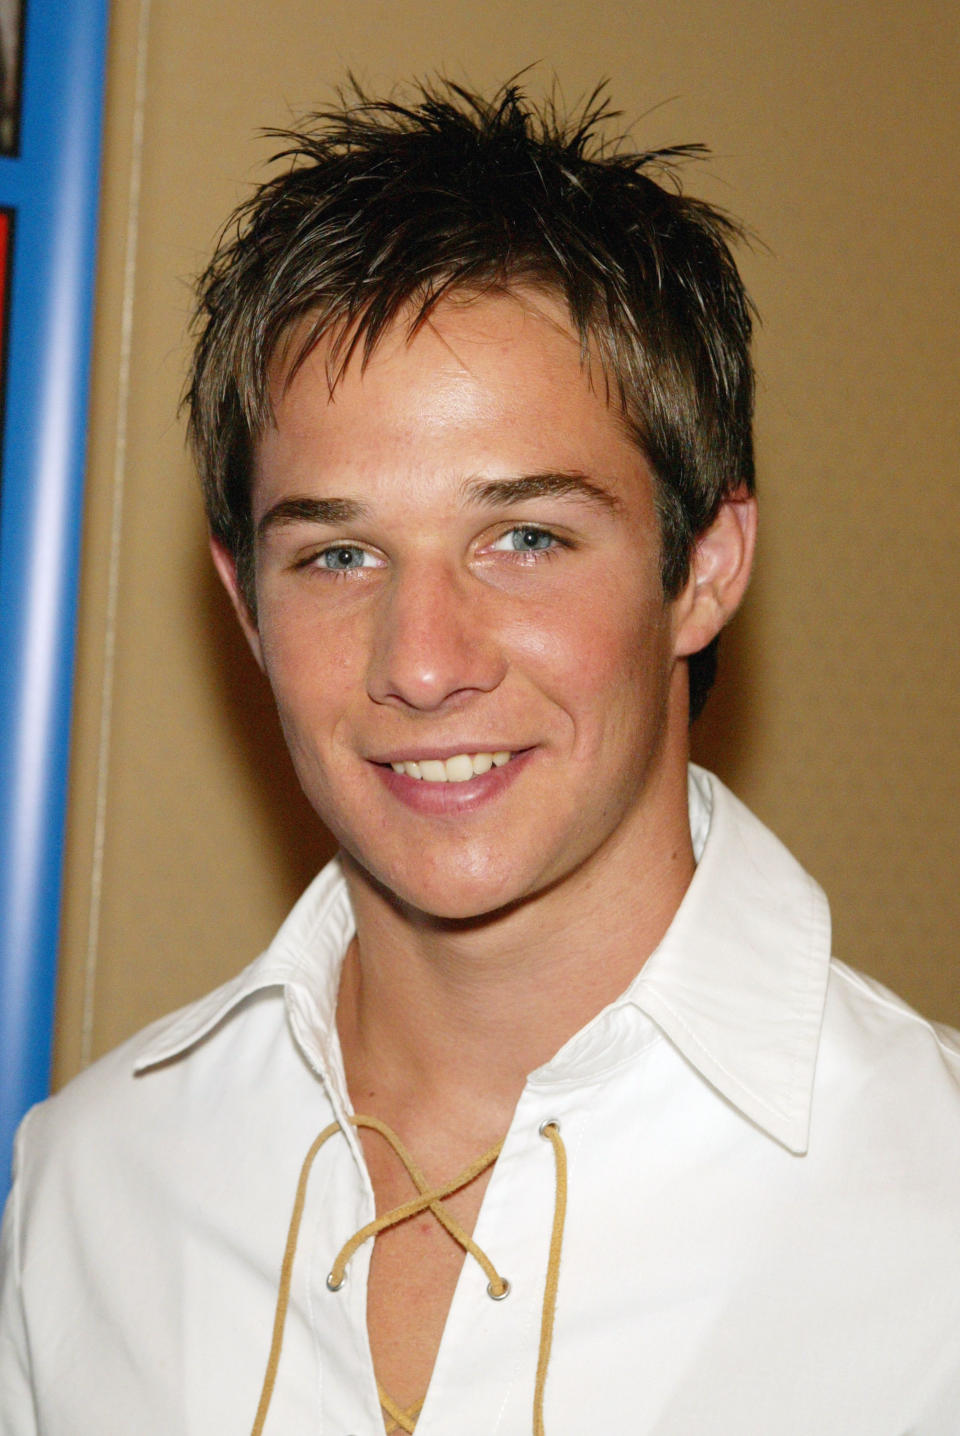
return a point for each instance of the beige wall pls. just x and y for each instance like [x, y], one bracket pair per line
[834, 134]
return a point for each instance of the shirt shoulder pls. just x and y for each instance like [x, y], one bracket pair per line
[890, 1079]
[205, 1058]
[881, 1016]
[112, 1118]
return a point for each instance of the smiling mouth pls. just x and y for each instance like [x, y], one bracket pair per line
[458, 769]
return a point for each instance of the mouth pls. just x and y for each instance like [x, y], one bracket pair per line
[452, 785]
[459, 768]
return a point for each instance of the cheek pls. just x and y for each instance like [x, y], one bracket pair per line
[604, 663]
[311, 666]
[300, 643]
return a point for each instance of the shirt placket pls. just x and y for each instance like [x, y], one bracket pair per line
[485, 1372]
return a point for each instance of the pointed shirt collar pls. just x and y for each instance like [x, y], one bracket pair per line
[738, 983]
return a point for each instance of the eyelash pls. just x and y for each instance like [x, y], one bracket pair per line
[549, 551]
[343, 548]
[534, 554]
[316, 560]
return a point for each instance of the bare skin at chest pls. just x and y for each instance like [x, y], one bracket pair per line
[415, 1266]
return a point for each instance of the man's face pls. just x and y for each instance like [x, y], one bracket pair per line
[457, 559]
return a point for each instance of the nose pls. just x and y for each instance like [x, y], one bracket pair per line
[435, 641]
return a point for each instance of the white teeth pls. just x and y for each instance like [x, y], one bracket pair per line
[459, 769]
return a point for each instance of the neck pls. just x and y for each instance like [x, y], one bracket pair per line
[439, 1014]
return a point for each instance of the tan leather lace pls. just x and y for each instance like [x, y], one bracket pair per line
[395, 1417]
[431, 1199]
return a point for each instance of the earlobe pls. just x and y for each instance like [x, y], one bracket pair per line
[719, 573]
[226, 566]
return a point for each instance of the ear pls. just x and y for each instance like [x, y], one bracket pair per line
[226, 567]
[719, 573]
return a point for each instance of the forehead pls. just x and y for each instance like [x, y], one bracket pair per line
[487, 385]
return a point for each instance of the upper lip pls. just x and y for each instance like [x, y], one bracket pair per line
[420, 753]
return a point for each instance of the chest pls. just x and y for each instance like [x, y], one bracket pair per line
[700, 1277]
[708, 1282]
[415, 1264]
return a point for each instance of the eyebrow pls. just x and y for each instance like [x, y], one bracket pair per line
[490, 492]
[311, 511]
[551, 485]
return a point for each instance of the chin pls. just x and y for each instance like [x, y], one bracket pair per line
[448, 894]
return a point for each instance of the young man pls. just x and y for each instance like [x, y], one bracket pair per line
[580, 1127]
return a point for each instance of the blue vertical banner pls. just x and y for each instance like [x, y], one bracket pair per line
[52, 64]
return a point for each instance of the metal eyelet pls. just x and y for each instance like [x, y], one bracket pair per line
[553, 1122]
[498, 1295]
[335, 1285]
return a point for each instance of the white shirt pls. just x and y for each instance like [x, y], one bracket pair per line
[763, 1228]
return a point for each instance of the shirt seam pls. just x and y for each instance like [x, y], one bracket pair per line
[577, 1080]
[16, 1194]
[732, 1078]
[856, 979]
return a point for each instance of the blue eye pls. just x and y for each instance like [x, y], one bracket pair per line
[526, 538]
[344, 557]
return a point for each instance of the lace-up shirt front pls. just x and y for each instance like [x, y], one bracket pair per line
[762, 1223]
